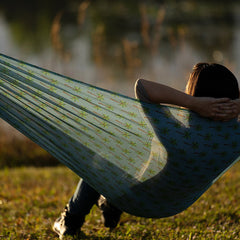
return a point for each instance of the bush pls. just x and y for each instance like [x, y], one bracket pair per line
[23, 152]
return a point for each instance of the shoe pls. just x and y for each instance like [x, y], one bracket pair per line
[110, 214]
[68, 224]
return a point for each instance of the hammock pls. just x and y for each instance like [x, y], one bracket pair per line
[148, 160]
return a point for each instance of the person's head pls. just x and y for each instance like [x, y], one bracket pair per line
[212, 80]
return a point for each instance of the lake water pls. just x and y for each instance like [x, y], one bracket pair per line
[112, 43]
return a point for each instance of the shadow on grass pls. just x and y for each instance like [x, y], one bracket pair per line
[231, 217]
[82, 235]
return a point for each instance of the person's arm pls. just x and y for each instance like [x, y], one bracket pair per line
[218, 109]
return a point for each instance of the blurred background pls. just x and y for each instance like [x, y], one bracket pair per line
[112, 43]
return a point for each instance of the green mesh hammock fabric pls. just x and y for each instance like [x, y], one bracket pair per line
[148, 160]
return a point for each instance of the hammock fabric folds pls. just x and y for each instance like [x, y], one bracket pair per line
[148, 160]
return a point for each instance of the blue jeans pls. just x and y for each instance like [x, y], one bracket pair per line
[83, 199]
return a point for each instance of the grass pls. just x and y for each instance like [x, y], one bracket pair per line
[32, 198]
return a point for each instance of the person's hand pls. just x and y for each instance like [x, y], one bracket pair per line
[219, 109]
[235, 108]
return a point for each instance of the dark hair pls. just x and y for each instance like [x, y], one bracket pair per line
[212, 80]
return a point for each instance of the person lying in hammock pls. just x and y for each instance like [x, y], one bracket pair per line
[212, 91]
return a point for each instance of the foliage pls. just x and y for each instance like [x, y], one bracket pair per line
[31, 23]
[23, 152]
[31, 199]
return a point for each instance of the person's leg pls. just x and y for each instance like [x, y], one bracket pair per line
[83, 199]
[78, 207]
[110, 214]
